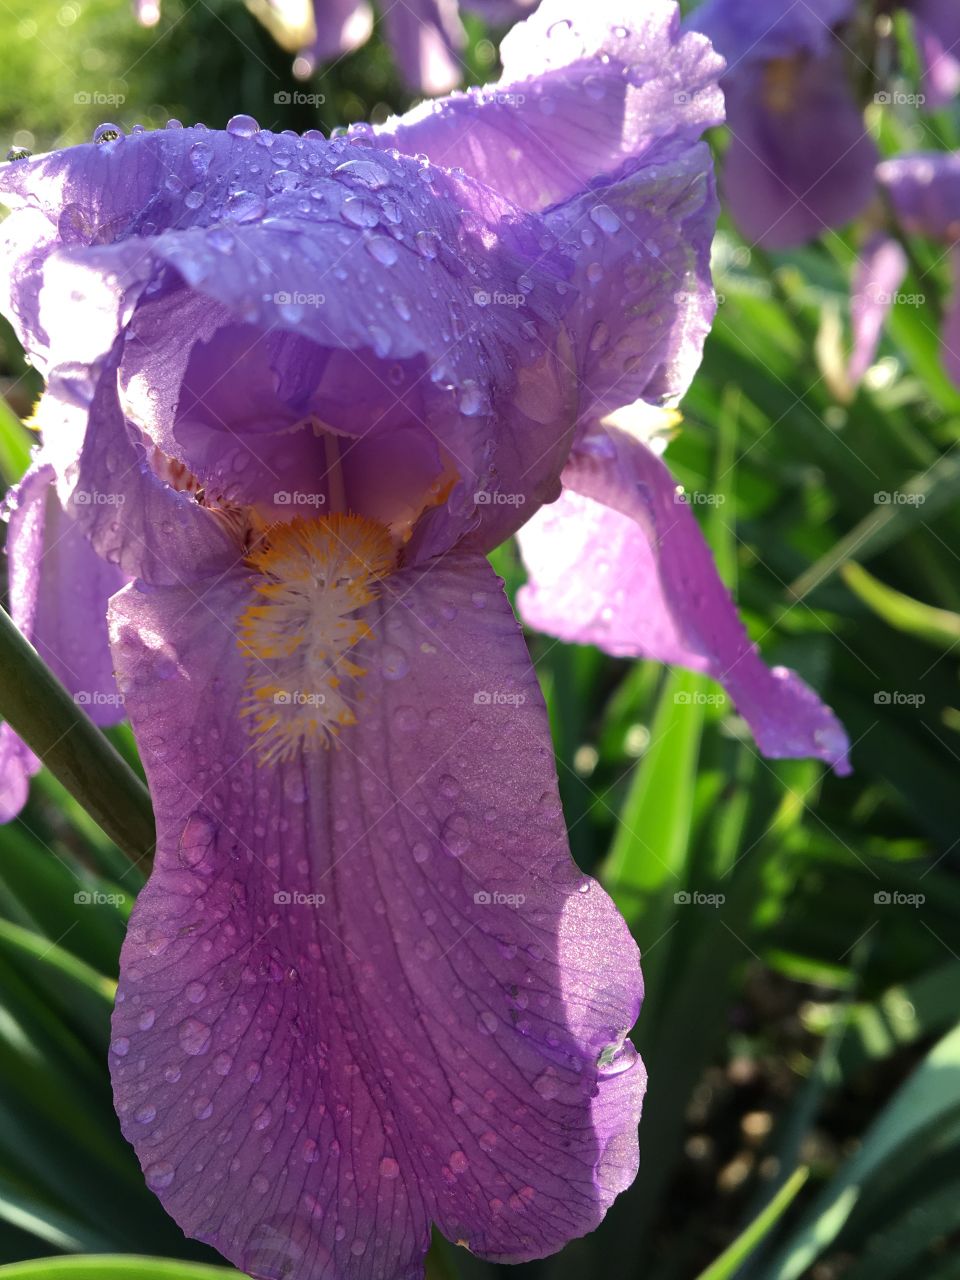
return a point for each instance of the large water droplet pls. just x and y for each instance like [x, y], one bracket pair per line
[615, 1058]
[242, 126]
[366, 172]
[197, 842]
[605, 218]
[160, 1175]
[194, 1036]
[245, 206]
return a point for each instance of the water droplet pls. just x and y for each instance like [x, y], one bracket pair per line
[194, 1036]
[107, 133]
[428, 243]
[242, 126]
[394, 663]
[146, 1115]
[459, 1162]
[359, 212]
[455, 835]
[384, 250]
[160, 1175]
[614, 1059]
[605, 218]
[547, 1085]
[366, 172]
[202, 1108]
[487, 1022]
[195, 992]
[223, 1064]
[120, 1046]
[283, 180]
[245, 206]
[196, 841]
[389, 1168]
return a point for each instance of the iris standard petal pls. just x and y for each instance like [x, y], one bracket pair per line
[434, 306]
[881, 268]
[646, 300]
[924, 190]
[937, 27]
[800, 159]
[744, 32]
[578, 97]
[58, 592]
[620, 562]
[366, 987]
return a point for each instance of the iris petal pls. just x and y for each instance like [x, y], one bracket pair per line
[367, 988]
[620, 562]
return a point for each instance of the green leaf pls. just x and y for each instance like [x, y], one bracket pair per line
[929, 494]
[929, 1100]
[113, 1266]
[15, 445]
[939, 627]
[41, 711]
[735, 1254]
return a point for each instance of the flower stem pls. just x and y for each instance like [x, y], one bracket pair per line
[39, 709]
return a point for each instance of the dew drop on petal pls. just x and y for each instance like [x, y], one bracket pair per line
[242, 126]
[194, 1036]
[160, 1175]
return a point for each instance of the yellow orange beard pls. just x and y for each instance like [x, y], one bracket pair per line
[299, 633]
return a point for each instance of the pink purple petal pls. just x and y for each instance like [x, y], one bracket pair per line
[367, 989]
[620, 562]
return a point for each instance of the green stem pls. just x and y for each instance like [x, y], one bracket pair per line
[39, 709]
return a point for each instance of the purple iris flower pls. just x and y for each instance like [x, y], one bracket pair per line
[800, 160]
[924, 193]
[427, 36]
[311, 383]
[937, 29]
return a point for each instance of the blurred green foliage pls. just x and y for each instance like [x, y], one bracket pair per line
[801, 934]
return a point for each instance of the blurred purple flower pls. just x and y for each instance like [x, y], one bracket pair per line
[427, 36]
[314, 382]
[937, 28]
[800, 160]
[924, 192]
